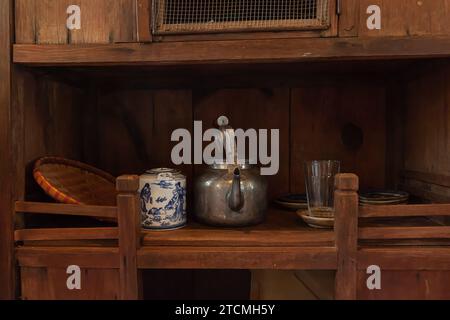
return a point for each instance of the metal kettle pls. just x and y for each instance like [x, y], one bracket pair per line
[231, 195]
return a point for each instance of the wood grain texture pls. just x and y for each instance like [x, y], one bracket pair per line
[405, 211]
[66, 209]
[246, 109]
[407, 18]
[234, 51]
[407, 285]
[102, 21]
[318, 117]
[144, 12]
[323, 258]
[129, 235]
[404, 233]
[7, 289]
[290, 231]
[140, 124]
[405, 258]
[349, 18]
[62, 257]
[346, 230]
[66, 234]
[427, 123]
[39, 283]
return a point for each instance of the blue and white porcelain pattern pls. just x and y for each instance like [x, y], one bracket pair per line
[163, 199]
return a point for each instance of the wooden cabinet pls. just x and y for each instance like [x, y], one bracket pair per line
[375, 99]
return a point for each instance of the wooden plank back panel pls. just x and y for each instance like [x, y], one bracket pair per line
[319, 117]
[250, 108]
[102, 21]
[427, 146]
[406, 18]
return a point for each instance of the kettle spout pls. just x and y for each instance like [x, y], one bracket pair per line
[235, 197]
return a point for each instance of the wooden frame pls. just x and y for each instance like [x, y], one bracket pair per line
[7, 277]
[200, 249]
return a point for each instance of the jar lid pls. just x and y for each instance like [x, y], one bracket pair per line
[163, 170]
[164, 174]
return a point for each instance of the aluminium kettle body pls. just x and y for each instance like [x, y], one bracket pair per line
[231, 196]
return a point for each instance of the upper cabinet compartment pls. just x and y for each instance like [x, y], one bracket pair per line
[400, 18]
[221, 16]
[75, 21]
[242, 19]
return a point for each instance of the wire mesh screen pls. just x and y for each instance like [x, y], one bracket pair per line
[203, 16]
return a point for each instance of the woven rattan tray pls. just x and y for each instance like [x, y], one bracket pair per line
[72, 182]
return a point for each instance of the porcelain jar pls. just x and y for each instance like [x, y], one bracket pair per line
[162, 195]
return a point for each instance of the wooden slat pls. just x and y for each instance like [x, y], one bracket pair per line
[405, 258]
[404, 233]
[129, 235]
[62, 257]
[323, 258]
[143, 20]
[66, 234]
[7, 163]
[248, 51]
[240, 238]
[66, 209]
[346, 229]
[349, 18]
[404, 211]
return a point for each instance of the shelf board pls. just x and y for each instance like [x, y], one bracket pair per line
[290, 258]
[282, 229]
[233, 51]
[282, 242]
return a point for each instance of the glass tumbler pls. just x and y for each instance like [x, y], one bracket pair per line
[319, 178]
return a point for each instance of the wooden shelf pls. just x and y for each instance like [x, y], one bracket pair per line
[282, 242]
[282, 229]
[233, 51]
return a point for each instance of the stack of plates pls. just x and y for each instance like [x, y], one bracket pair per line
[383, 197]
[293, 202]
[316, 222]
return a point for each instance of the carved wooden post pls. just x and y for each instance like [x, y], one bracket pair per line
[129, 235]
[346, 232]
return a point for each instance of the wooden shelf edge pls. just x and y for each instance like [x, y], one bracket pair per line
[232, 51]
[321, 258]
